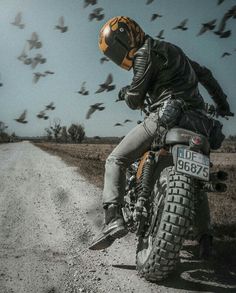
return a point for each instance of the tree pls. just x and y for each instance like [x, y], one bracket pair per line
[56, 128]
[77, 132]
[4, 137]
[49, 133]
[64, 134]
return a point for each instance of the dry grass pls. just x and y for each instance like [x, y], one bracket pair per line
[90, 160]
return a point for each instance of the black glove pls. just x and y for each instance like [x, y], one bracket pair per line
[223, 109]
[122, 92]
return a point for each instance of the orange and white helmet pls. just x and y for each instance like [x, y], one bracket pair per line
[119, 39]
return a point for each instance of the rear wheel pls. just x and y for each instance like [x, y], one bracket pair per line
[173, 206]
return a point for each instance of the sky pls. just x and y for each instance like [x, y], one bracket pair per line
[74, 56]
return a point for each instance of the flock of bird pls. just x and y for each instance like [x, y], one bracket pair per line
[207, 26]
[35, 43]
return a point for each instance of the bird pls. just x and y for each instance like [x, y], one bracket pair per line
[61, 26]
[22, 117]
[160, 35]
[89, 2]
[149, 2]
[182, 25]
[93, 108]
[37, 76]
[34, 41]
[155, 15]
[210, 25]
[127, 120]
[83, 90]
[42, 115]
[106, 86]
[118, 124]
[96, 14]
[231, 13]
[49, 72]
[50, 106]
[220, 1]
[23, 54]
[224, 34]
[103, 59]
[225, 54]
[37, 59]
[17, 21]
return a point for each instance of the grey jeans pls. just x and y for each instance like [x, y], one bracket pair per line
[133, 146]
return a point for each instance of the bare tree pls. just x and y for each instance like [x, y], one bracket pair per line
[64, 134]
[77, 132]
[56, 128]
[49, 133]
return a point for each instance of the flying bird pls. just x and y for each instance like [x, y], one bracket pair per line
[89, 2]
[93, 108]
[42, 115]
[231, 13]
[23, 54]
[37, 76]
[127, 120]
[83, 90]
[225, 54]
[22, 117]
[160, 35]
[48, 72]
[106, 86]
[182, 25]
[223, 34]
[96, 14]
[149, 2]
[207, 26]
[103, 59]
[220, 1]
[34, 41]
[50, 106]
[61, 26]
[17, 21]
[118, 124]
[155, 15]
[38, 59]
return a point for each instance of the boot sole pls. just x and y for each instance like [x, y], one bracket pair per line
[108, 239]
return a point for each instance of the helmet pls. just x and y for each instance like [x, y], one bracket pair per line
[119, 39]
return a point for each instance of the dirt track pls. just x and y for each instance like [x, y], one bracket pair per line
[48, 216]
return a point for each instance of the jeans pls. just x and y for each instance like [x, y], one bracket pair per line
[133, 146]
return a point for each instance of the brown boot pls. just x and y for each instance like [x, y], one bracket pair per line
[113, 228]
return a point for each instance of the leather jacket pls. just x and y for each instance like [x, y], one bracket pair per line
[162, 69]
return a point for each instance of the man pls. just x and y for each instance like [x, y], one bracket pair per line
[170, 80]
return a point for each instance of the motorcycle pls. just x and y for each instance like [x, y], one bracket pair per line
[161, 192]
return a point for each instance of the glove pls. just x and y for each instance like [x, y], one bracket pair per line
[122, 92]
[223, 109]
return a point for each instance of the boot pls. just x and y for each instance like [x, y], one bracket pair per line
[205, 246]
[113, 228]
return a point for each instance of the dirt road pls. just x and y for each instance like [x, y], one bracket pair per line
[49, 215]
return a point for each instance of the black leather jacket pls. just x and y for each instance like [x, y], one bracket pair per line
[161, 69]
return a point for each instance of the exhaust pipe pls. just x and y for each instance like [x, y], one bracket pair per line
[220, 175]
[214, 187]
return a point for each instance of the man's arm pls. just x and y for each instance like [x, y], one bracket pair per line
[206, 78]
[134, 94]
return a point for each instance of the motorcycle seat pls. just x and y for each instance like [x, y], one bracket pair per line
[178, 135]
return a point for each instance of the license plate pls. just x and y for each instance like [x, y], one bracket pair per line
[193, 163]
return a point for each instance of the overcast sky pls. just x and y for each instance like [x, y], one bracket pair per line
[74, 56]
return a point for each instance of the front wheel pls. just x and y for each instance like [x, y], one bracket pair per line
[173, 209]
